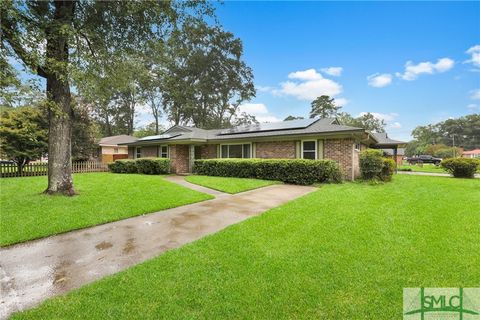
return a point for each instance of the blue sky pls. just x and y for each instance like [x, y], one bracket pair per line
[406, 61]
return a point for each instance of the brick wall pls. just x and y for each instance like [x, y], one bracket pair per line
[208, 151]
[340, 150]
[179, 158]
[275, 149]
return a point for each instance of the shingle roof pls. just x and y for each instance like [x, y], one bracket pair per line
[116, 140]
[383, 139]
[286, 128]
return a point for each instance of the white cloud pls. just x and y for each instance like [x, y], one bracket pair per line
[311, 85]
[475, 94]
[260, 111]
[307, 75]
[474, 53]
[333, 71]
[264, 88]
[473, 107]
[378, 80]
[412, 71]
[253, 108]
[341, 102]
[384, 116]
[395, 125]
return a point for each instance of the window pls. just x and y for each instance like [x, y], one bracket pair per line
[163, 152]
[115, 150]
[236, 150]
[138, 152]
[309, 149]
[358, 146]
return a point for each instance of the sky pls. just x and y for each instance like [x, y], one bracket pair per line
[410, 63]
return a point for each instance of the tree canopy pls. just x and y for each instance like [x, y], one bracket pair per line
[324, 107]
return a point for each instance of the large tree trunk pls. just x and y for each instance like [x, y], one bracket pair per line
[60, 108]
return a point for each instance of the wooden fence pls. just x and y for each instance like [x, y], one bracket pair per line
[41, 169]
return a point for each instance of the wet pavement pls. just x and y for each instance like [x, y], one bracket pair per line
[34, 271]
[432, 174]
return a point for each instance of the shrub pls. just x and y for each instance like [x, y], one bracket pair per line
[295, 171]
[123, 166]
[143, 165]
[371, 163]
[388, 169]
[461, 167]
[153, 165]
[373, 166]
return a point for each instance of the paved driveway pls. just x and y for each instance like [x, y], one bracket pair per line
[37, 270]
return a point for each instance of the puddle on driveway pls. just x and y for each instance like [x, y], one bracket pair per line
[40, 269]
[103, 245]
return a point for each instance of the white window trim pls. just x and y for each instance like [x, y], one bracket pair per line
[316, 148]
[136, 152]
[359, 145]
[160, 150]
[229, 144]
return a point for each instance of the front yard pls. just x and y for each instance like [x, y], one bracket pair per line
[28, 214]
[343, 252]
[229, 185]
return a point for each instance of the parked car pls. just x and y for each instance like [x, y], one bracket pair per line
[424, 159]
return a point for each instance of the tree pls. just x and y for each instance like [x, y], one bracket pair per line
[293, 118]
[23, 135]
[59, 39]
[366, 121]
[324, 107]
[148, 130]
[205, 78]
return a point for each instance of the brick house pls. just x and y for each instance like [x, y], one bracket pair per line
[111, 148]
[296, 139]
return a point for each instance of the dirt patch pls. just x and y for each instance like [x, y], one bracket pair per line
[129, 246]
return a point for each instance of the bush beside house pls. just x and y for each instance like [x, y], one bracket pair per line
[373, 166]
[461, 167]
[143, 165]
[298, 171]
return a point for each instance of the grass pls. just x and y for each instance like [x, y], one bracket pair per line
[343, 252]
[229, 185]
[28, 214]
[427, 167]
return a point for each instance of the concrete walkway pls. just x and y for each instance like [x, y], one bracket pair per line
[34, 271]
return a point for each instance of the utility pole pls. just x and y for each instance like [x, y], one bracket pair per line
[454, 149]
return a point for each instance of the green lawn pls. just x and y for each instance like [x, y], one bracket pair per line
[427, 167]
[345, 251]
[27, 214]
[229, 185]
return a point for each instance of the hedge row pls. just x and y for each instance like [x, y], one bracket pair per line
[294, 171]
[373, 166]
[143, 165]
[461, 167]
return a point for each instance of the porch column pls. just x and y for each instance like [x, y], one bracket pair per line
[191, 157]
[395, 158]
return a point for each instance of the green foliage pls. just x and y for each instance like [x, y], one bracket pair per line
[153, 165]
[148, 130]
[323, 107]
[461, 167]
[23, 134]
[373, 166]
[295, 171]
[464, 130]
[142, 165]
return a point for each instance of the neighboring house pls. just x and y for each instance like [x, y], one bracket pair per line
[302, 139]
[109, 149]
[471, 154]
[400, 155]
